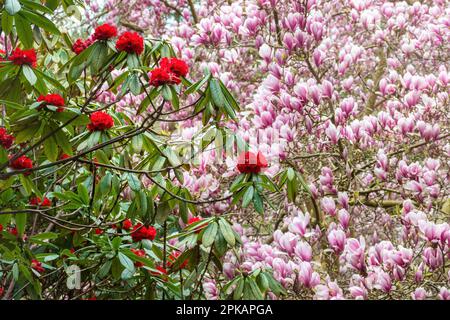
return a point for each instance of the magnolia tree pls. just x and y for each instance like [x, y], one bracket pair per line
[224, 150]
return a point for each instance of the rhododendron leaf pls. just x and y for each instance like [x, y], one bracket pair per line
[40, 21]
[237, 293]
[44, 236]
[21, 220]
[166, 93]
[248, 196]
[216, 93]
[50, 79]
[93, 139]
[51, 149]
[175, 100]
[15, 271]
[134, 182]
[105, 269]
[126, 262]
[134, 84]
[172, 157]
[227, 232]
[258, 203]
[83, 193]
[29, 74]
[7, 23]
[12, 6]
[197, 85]
[229, 97]
[24, 31]
[37, 6]
[27, 184]
[210, 234]
[132, 61]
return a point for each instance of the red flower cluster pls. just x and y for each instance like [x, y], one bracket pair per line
[130, 42]
[6, 140]
[194, 220]
[100, 121]
[139, 253]
[141, 232]
[22, 162]
[248, 162]
[105, 32]
[98, 231]
[80, 45]
[53, 99]
[175, 66]
[36, 201]
[127, 224]
[169, 73]
[20, 57]
[36, 265]
[173, 257]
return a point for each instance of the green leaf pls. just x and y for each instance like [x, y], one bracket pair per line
[126, 262]
[51, 149]
[216, 93]
[133, 182]
[24, 31]
[27, 184]
[227, 232]
[40, 21]
[12, 6]
[258, 203]
[29, 74]
[210, 234]
[7, 22]
[83, 193]
[21, 220]
[167, 93]
[248, 196]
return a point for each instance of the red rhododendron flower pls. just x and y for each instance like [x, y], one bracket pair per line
[80, 45]
[1, 291]
[160, 76]
[130, 42]
[52, 99]
[21, 163]
[141, 232]
[105, 32]
[196, 219]
[36, 265]
[173, 257]
[36, 201]
[127, 225]
[13, 231]
[100, 121]
[139, 253]
[98, 231]
[20, 57]
[6, 140]
[162, 271]
[175, 66]
[248, 162]
[64, 156]
[1, 227]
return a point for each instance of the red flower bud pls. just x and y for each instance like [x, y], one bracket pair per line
[6, 140]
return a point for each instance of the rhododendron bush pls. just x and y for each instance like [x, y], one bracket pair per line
[253, 149]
